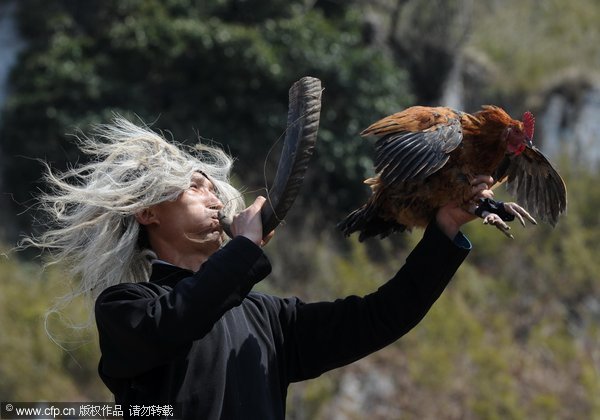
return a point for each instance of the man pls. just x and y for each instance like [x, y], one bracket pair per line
[177, 320]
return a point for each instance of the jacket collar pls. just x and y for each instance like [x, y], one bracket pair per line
[167, 274]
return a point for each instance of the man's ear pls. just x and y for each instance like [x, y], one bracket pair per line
[147, 217]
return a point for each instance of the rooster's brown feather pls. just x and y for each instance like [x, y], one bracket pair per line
[425, 158]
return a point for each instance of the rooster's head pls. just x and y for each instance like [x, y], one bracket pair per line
[520, 135]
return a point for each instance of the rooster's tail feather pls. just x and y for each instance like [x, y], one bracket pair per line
[367, 221]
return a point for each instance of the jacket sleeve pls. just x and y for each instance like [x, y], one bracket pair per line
[327, 335]
[142, 324]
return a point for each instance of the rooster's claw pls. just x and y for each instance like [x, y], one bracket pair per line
[495, 220]
[519, 212]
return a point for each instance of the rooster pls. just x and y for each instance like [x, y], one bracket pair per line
[426, 157]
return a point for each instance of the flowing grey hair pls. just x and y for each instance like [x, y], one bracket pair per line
[93, 232]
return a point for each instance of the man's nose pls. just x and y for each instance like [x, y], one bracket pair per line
[215, 203]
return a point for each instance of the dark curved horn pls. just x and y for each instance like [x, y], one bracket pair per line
[300, 139]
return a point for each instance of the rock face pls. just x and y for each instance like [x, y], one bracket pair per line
[366, 391]
[11, 44]
[568, 120]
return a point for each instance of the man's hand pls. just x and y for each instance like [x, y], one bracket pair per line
[452, 216]
[248, 223]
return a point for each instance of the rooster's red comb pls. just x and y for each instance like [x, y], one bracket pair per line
[528, 124]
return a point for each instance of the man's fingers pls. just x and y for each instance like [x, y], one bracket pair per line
[480, 188]
[248, 222]
[259, 202]
[484, 194]
[482, 179]
[267, 238]
[479, 191]
[254, 209]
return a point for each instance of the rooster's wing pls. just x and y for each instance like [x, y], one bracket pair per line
[534, 183]
[415, 143]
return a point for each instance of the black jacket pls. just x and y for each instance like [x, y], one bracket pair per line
[206, 344]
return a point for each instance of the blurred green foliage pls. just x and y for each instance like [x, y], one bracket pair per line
[221, 68]
[33, 367]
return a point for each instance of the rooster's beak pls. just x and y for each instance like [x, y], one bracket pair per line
[528, 142]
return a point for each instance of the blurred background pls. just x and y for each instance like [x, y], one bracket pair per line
[517, 333]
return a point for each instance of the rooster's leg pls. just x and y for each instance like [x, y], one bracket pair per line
[497, 213]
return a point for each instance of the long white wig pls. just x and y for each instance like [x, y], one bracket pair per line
[93, 233]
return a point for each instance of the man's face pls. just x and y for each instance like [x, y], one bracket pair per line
[191, 221]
